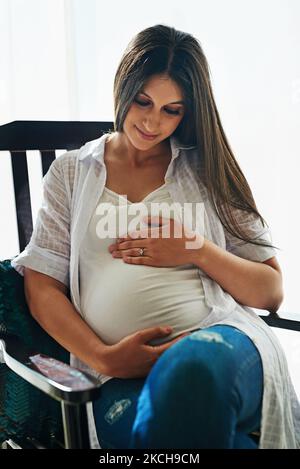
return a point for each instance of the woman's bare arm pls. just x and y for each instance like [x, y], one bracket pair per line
[49, 305]
[251, 283]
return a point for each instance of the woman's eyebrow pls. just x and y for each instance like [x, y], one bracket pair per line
[176, 102]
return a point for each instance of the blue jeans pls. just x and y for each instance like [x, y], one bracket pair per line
[205, 391]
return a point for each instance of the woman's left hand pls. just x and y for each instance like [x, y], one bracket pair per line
[161, 247]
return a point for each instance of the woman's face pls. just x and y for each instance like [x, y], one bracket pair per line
[155, 111]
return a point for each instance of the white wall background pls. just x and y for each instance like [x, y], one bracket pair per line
[58, 59]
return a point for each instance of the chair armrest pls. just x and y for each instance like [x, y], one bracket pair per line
[282, 320]
[53, 377]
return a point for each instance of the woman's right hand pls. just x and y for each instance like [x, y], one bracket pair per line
[132, 357]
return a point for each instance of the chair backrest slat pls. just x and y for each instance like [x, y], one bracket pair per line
[22, 197]
[47, 157]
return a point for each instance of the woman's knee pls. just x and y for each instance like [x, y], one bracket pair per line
[221, 362]
[191, 364]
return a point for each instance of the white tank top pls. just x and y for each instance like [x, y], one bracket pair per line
[118, 299]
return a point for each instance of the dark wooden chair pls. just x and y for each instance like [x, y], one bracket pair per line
[56, 417]
[28, 417]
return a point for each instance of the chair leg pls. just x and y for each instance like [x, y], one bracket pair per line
[75, 424]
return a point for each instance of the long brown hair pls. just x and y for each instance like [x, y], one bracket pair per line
[163, 50]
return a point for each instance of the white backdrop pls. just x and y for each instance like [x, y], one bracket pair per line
[58, 59]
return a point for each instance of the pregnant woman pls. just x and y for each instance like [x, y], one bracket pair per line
[106, 288]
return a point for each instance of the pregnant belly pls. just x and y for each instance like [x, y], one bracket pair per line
[129, 298]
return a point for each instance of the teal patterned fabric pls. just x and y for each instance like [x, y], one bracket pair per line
[25, 410]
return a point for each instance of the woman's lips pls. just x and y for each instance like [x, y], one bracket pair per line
[146, 137]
